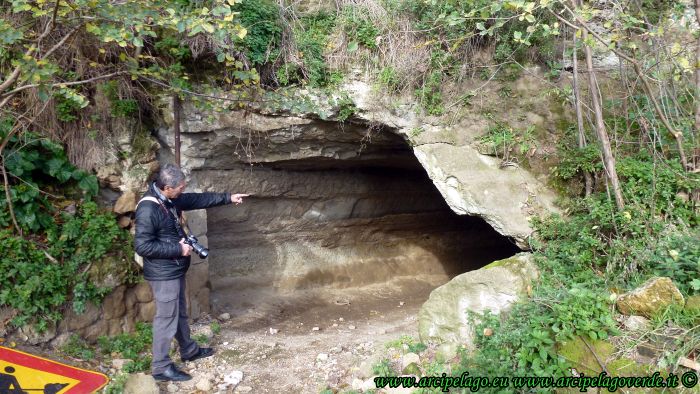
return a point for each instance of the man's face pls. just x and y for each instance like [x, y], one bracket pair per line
[174, 192]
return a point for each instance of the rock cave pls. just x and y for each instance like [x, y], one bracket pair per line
[332, 206]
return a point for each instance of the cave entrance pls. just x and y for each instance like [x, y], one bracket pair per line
[339, 219]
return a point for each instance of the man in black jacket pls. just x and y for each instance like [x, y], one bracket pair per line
[166, 257]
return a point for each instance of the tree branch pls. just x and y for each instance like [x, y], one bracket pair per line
[12, 78]
[678, 136]
[63, 41]
[93, 79]
[8, 196]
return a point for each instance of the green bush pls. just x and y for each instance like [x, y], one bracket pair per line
[43, 274]
[261, 18]
[507, 143]
[312, 38]
[359, 29]
[430, 94]
[346, 108]
[131, 346]
[677, 256]
[525, 341]
[47, 267]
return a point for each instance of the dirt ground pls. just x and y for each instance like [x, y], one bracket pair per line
[309, 340]
[296, 342]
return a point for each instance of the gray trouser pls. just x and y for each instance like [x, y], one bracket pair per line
[170, 322]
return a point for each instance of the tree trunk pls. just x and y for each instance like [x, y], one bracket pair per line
[645, 83]
[696, 143]
[608, 158]
[579, 120]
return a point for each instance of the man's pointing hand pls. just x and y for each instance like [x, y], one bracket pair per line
[238, 198]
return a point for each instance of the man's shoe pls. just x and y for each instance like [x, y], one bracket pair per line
[201, 353]
[172, 373]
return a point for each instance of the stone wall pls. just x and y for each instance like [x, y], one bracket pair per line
[118, 313]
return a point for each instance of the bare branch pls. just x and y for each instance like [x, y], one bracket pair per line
[678, 136]
[61, 84]
[8, 196]
[63, 41]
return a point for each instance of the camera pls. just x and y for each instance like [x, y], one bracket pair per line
[197, 247]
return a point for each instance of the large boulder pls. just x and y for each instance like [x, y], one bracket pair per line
[444, 317]
[652, 297]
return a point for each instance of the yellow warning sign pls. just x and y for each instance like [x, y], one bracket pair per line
[23, 373]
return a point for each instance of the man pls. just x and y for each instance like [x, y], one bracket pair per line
[160, 240]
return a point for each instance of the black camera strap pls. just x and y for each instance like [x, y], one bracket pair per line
[178, 219]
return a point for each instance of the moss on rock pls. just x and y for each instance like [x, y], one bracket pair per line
[586, 361]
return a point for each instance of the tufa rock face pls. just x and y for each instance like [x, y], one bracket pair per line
[344, 203]
[331, 205]
[653, 296]
[474, 184]
[443, 318]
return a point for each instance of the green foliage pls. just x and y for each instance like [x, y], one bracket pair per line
[44, 274]
[654, 10]
[583, 311]
[312, 38]
[656, 185]
[215, 328]
[131, 346]
[574, 160]
[457, 24]
[287, 74]
[346, 108]
[201, 339]
[677, 256]
[390, 78]
[430, 94]
[47, 269]
[119, 107]
[78, 348]
[261, 17]
[507, 143]
[36, 164]
[171, 46]
[66, 110]
[117, 32]
[680, 316]
[525, 342]
[359, 29]
[383, 368]
[116, 384]
[594, 248]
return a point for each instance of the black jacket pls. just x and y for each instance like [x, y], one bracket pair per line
[157, 239]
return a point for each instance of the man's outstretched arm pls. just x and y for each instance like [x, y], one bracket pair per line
[189, 201]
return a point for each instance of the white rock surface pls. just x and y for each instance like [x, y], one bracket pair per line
[233, 378]
[444, 316]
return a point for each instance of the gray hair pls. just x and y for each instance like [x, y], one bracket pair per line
[169, 175]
